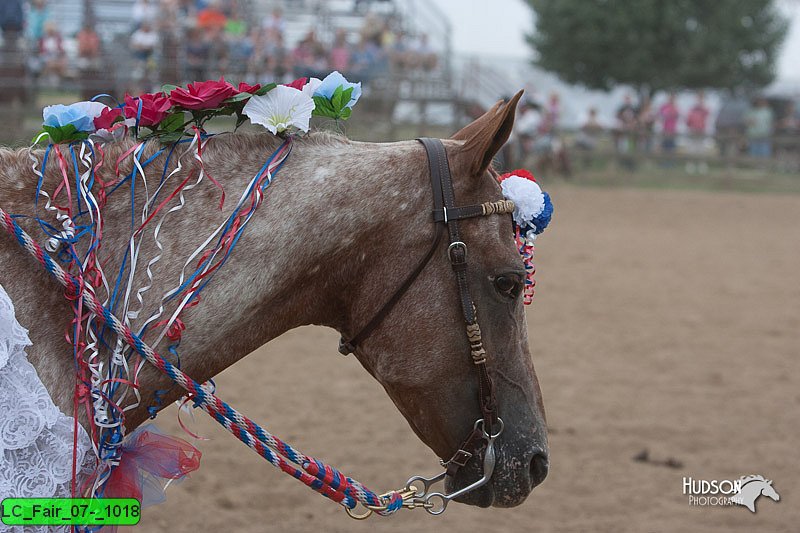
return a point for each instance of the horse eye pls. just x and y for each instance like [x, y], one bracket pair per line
[508, 286]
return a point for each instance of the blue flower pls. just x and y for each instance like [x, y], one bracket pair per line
[332, 81]
[81, 115]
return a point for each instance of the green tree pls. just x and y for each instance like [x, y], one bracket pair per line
[659, 44]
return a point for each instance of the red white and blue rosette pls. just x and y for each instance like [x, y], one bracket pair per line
[532, 212]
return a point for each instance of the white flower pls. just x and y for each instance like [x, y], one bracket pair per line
[527, 197]
[281, 109]
[311, 86]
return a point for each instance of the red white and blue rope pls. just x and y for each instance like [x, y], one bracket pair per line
[321, 477]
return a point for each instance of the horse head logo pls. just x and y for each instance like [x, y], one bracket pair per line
[751, 488]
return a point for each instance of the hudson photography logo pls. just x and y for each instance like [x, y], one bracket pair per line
[729, 492]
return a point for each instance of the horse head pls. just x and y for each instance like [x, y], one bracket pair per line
[420, 352]
[769, 491]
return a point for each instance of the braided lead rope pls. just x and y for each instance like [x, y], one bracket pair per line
[321, 477]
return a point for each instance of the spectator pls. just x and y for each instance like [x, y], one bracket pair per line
[590, 132]
[88, 47]
[143, 44]
[51, 51]
[212, 18]
[760, 122]
[239, 44]
[198, 52]
[552, 116]
[526, 128]
[38, 14]
[786, 146]
[340, 52]
[310, 57]
[365, 61]
[626, 125]
[697, 118]
[185, 12]
[425, 54]
[669, 115]
[372, 29]
[11, 22]
[275, 22]
[387, 36]
[790, 122]
[401, 53]
[645, 124]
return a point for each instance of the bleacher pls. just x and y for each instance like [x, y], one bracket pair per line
[412, 96]
[113, 17]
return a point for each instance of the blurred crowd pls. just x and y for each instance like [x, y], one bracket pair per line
[741, 126]
[177, 41]
[759, 127]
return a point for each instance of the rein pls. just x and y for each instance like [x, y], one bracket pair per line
[321, 477]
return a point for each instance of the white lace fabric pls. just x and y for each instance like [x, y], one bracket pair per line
[36, 438]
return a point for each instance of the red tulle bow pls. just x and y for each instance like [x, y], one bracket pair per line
[148, 457]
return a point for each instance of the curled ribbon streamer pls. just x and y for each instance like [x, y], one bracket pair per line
[183, 188]
[254, 190]
[199, 156]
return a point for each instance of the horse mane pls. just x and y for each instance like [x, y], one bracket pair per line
[16, 163]
[224, 140]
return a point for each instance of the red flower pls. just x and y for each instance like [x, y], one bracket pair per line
[107, 118]
[297, 84]
[202, 94]
[154, 108]
[521, 172]
[245, 88]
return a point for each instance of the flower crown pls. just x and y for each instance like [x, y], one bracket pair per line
[174, 111]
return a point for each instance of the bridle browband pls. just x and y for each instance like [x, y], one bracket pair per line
[446, 216]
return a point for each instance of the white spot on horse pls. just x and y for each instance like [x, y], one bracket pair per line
[320, 174]
[404, 206]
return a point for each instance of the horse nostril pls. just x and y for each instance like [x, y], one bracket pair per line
[539, 468]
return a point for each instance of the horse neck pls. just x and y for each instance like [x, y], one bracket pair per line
[324, 220]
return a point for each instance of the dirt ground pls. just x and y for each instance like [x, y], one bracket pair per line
[665, 321]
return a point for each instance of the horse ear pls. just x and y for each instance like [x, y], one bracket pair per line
[486, 135]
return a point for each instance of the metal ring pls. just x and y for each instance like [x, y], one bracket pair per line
[479, 422]
[433, 509]
[353, 514]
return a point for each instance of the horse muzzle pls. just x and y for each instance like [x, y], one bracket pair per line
[516, 471]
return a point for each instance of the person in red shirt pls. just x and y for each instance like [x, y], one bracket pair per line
[669, 115]
[696, 122]
[697, 117]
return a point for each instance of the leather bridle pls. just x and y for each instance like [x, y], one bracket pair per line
[446, 216]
